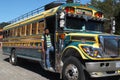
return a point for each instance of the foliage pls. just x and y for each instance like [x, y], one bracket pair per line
[117, 18]
[110, 8]
[3, 24]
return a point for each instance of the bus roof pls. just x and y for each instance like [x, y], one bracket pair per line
[39, 13]
[33, 18]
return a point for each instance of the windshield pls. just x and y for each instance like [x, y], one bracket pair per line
[82, 24]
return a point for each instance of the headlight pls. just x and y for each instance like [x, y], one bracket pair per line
[93, 52]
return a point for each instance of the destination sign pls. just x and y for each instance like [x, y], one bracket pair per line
[83, 11]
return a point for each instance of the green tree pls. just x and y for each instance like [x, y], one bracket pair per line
[3, 24]
[117, 18]
[94, 3]
[110, 8]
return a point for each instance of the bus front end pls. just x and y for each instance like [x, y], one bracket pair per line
[86, 48]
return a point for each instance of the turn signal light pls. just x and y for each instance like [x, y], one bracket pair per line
[62, 36]
[98, 14]
[70, 10]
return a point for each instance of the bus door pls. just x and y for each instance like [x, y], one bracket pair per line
[50, 24]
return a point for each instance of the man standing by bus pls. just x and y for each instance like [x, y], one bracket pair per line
[47, 47]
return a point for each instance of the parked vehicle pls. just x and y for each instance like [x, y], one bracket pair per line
[81, 48]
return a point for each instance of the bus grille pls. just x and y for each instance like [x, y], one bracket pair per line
[111, 47]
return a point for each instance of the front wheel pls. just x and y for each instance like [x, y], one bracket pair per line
[73, 70]
[13, 58]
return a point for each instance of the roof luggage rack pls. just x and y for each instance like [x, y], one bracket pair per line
[27, 15]
[37, 11]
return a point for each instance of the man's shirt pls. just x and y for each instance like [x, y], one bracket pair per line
[48, 40]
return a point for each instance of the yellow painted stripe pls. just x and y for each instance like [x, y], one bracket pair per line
[75, 49]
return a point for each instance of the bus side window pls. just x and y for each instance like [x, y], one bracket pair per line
[18, 32]
[13, 32]
[23, 31]
[10, 32]
[5, 34]
[34, 28]
[41, 27]
[28, 29]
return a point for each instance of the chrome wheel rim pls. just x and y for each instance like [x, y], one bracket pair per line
[71, 72]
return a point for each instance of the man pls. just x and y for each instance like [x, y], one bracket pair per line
[47, 47]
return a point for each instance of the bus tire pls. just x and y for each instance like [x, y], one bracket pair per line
[13, 58]
[73, 70]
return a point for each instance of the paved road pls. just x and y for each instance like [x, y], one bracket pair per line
[27, 71]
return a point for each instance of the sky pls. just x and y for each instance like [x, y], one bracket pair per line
[10, 9]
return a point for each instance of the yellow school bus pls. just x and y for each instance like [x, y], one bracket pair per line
[81, 47]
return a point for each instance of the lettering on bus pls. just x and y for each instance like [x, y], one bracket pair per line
[84, 11]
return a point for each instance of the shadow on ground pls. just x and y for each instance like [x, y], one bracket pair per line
[35, 67]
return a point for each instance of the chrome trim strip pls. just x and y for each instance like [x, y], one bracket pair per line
[30, 58]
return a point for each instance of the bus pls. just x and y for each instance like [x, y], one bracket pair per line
[81, 47]
[1, 37]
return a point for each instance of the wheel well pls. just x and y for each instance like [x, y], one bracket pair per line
[72, 52]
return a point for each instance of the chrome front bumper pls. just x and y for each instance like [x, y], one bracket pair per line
[103, 69]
